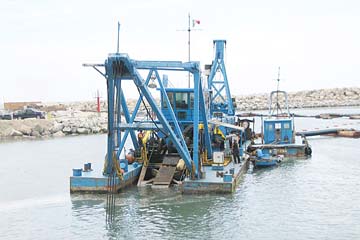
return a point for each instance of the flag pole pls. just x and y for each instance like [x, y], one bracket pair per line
[189, 30]
[118, 36]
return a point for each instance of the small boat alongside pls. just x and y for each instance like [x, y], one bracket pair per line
[278, 138]
[265, 160]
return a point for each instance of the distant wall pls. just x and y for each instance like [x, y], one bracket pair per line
[12, 106]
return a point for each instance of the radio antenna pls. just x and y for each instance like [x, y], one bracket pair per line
[118, 36]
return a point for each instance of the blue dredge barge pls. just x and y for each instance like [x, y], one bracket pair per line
[185, 141]
[278, 136]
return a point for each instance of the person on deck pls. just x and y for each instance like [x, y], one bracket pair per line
[236, 151]
[140, 138]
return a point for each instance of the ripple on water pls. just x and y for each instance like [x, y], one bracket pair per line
[316, 198]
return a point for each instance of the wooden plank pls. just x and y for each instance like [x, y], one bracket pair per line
[165, 175]
[142, 175]
[171, 160]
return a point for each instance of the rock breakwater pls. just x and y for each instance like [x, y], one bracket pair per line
[336, 97]
[60, 124]
[80, 118]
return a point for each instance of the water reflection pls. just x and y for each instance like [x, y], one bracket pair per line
[317, 198]
[144, 212]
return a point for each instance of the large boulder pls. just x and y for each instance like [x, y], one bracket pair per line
[67, 130]
[64, 123]
[46, 133]
[15, 133]
[103, 128]
[24, 129]
[35, 133]
[5, 131]
[81, 130]
[38, 128]
[96, 129]
[59, 134]
[84, 124]
[56, 127]
[73, 129]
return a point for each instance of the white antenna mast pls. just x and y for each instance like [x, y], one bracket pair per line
[118, 35]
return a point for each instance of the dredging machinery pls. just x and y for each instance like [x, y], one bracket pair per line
[278, 139]
[186, 138]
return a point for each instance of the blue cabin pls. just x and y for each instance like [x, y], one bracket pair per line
[278, 131]
[182, 102]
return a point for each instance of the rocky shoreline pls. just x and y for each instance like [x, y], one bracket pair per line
[81, 118]
[59, 124]
[336, 97]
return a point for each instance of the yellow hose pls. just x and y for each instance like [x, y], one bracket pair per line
[219, 132]
[116, 166]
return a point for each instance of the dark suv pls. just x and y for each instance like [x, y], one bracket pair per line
[29, 113]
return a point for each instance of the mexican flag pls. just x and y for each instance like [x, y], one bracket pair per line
[195, 22]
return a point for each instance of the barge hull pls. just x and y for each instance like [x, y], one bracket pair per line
[214, 184]
[95, 182]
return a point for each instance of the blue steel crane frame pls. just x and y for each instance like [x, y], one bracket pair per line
[220, 98]
[119, 67]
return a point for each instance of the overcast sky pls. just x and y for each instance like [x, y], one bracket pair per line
[44, 43]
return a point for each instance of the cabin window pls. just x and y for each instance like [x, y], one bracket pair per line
[181, 100]
[191, 100]
[269, 127]
[286, 125]
[277, 125]
[207, 100]
[171, 99]
[181, 115]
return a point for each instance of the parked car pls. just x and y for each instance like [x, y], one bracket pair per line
[28, 113]
[5, 115]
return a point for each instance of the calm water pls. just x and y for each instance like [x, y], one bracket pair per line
[318, 198]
